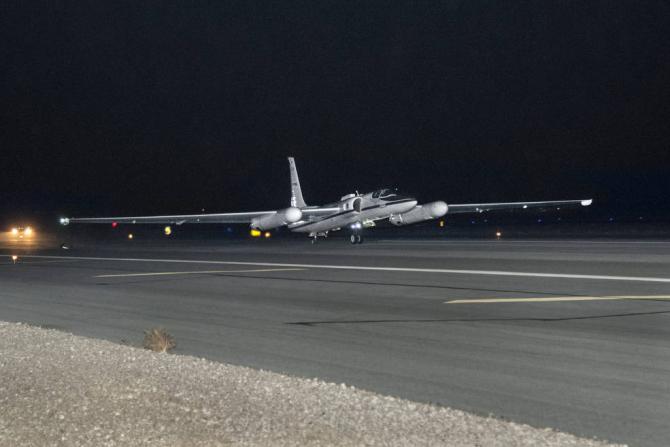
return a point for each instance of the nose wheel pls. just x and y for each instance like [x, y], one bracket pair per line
[356, 238]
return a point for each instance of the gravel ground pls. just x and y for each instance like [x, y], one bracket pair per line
[61, 389]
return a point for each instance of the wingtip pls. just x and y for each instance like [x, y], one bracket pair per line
[587, 202]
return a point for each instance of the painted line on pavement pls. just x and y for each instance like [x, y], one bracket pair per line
[370, 268]
[557, 299]
[193, 272]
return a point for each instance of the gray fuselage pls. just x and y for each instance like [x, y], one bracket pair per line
[380, 204]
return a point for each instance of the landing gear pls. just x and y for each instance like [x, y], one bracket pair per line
[356, 238]
[315, 236]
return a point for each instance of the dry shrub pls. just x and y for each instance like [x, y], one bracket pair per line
[158, 340]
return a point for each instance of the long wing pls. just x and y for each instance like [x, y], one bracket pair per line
[179, 219]
[481, 207]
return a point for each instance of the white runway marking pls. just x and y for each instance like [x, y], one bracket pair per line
[368, 268]
[193, 272]
[557, 299]
[568, 243]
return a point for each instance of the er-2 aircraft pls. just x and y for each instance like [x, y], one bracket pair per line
[353, 212]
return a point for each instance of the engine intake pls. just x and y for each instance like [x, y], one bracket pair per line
[427, 211]
[352, 202]
[279, 219]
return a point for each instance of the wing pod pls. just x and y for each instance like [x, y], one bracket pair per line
[427, 211]
[280, 218]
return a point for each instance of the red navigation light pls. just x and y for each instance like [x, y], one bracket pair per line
[115, 224]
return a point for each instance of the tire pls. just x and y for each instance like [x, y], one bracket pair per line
[359, 239]
[354, 239]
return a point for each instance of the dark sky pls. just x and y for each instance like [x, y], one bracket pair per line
[130, 107]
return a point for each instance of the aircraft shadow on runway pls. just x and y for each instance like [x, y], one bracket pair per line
[337, 281]
[476, 320]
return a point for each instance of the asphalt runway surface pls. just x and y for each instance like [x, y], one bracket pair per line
[400, 317]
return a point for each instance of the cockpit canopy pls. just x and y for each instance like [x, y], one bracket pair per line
[387, 194]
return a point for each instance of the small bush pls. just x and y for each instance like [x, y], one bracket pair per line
[158, 340]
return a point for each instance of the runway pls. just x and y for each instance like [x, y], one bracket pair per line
[573, 335]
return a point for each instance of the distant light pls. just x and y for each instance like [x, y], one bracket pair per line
[64, 221]
[130, 235]
[15, 231]
[611, 219]
[587, 202]
[473, 222]
[115, 224]
[167, 230]
[539, 220]
[498, 234]
[15, 258]
[267, 235]
[255, 233]
[28, 231]
[525, 206]
[441, 223]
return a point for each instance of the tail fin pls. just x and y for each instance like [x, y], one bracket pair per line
[296, 192]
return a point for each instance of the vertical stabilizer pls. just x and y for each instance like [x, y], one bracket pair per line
[296, 192]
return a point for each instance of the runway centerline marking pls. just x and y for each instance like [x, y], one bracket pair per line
[557, 299]
[194, 272]
[370, 268]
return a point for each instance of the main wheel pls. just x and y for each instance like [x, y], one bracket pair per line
[359, 239]
[354, 239]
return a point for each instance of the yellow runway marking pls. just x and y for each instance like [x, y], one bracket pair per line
[558, 299]
[195, 272]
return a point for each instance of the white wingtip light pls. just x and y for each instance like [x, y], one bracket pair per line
[587, 202]
[64, 221]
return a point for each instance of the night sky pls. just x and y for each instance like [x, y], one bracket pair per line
[167, 107]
